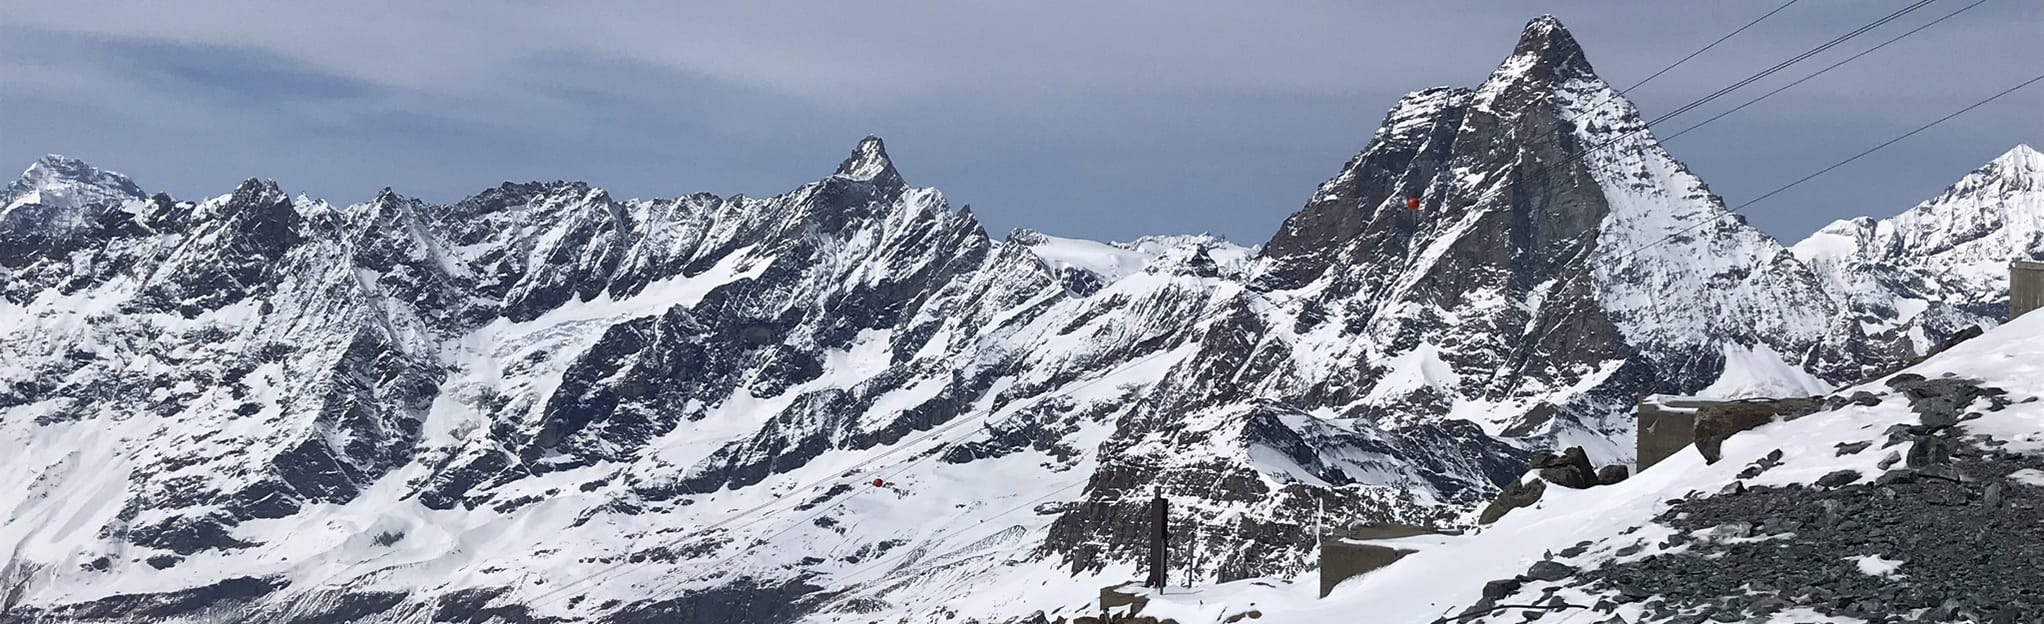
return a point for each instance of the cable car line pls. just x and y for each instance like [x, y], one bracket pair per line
[1707, 48]
[1793, 60]
[1848, 160]
[1821, 72]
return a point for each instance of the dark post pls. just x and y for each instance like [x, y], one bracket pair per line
[1160, 536]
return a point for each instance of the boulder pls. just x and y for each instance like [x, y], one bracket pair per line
[1550, 571]
[1512, 496]
[1929, 450]
[1571, 469]
[1838, 478]
[1612, 474]
[1498, 589]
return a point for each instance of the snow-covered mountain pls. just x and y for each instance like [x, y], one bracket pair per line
[1912, 280]
[54, 202]
[844, 402]
[271, 407]
[1538, 277]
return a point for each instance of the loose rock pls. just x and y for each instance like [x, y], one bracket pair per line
[1498, 589]
[1512, 496]
[1613, 474]
[1550, 571]
[1571, 469]
[1838, 478]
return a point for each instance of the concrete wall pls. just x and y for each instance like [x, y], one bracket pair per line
[1668, 424]
[1664, 430]
[1345, 552]
[1341, 560]
[1124, 595]
[2026, 287]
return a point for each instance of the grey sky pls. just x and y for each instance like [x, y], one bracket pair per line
[1098, 119]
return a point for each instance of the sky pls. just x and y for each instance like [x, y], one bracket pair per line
[1097, 119]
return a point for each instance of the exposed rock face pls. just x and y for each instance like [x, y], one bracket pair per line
[1612, 474]
[1526, 283]
[58, 205]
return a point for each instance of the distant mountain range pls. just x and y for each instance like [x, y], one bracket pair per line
[848, 403]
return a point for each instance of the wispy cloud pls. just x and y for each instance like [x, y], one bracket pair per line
[1192, 115]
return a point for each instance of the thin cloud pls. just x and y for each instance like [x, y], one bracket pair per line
[1197, 116]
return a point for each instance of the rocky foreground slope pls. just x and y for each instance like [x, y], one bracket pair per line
[845, 402]
[1916, 497]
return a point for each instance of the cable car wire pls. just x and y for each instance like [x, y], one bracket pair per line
[1707, 48]
[1792, 61]
[1834, 166]
[1821, 72]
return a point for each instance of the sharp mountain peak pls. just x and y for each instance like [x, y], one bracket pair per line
[869, 163]
[1546, 43]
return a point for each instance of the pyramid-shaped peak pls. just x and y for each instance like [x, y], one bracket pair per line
[1545, 31]
[1547, 43]
[869, 163]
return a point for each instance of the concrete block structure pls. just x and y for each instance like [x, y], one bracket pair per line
[1347, 553]
[1668, 424]
[1127, 595]
[2026, 287]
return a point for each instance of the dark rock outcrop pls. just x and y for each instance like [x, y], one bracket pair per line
[1512, 496]
[1571, 469]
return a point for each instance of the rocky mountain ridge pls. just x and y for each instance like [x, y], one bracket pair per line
[1913, 280]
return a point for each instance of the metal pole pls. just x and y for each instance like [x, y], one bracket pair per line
[1160, 536]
